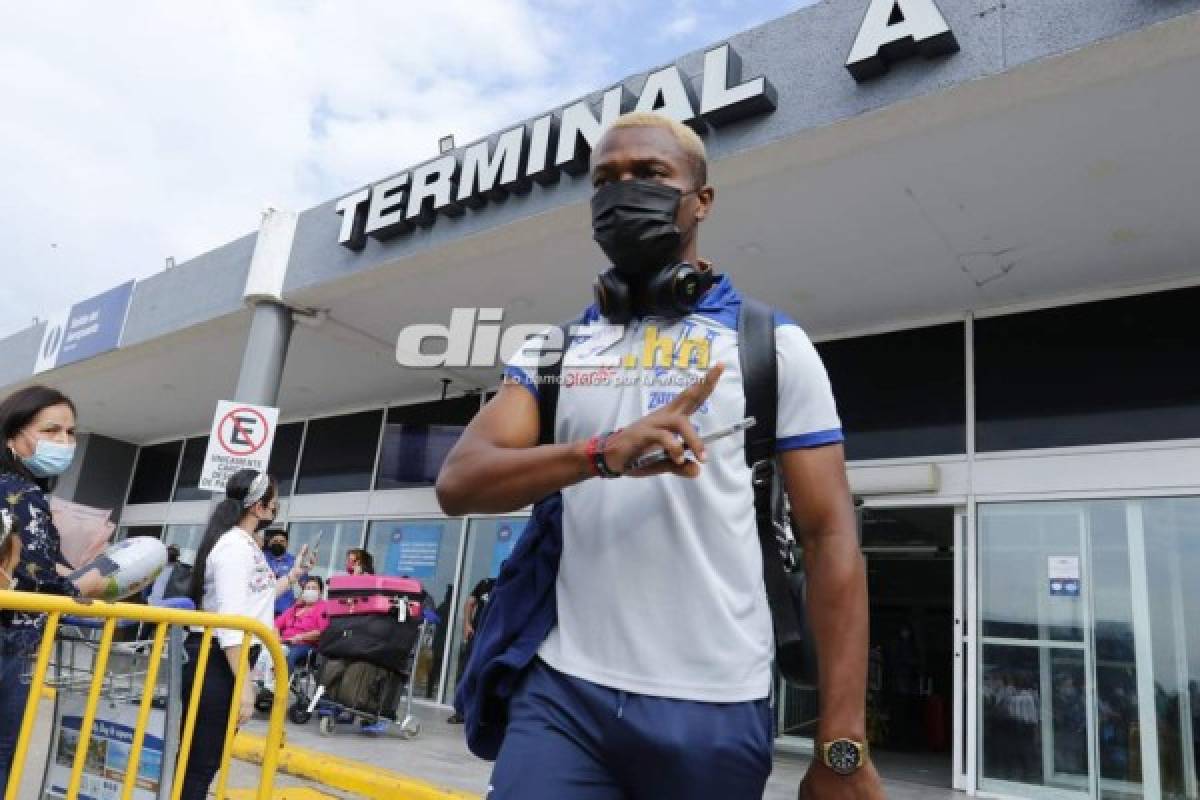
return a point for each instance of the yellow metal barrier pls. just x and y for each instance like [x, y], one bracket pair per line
[57, 607]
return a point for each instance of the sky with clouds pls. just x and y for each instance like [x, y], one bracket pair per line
[137, 130]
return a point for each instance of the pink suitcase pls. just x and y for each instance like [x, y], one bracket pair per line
[374, 594]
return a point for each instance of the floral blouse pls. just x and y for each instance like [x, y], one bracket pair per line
[24, 502]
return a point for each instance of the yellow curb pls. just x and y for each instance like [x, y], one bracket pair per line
[292, 793]
[344, 773]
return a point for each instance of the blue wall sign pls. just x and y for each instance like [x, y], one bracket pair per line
[507, 535]
[413, 550]
[88, 329]
[1063, 575]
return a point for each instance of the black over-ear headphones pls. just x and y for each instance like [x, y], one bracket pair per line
[671, 292]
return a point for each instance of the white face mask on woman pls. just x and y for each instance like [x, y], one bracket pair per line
[310, 596]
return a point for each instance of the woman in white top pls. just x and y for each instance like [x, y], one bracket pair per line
[230, 576]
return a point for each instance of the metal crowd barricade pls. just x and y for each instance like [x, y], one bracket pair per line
[74, 673]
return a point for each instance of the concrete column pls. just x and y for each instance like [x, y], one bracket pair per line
[265, 354]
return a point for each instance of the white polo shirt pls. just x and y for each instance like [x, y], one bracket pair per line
[660, 588]
[238, 580]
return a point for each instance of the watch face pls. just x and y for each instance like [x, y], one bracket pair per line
[844, 756]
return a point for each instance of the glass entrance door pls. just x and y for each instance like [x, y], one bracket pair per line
[912, 678]
[1034, 664]
[1089, 655]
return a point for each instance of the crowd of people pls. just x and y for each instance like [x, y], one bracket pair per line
[242, 566]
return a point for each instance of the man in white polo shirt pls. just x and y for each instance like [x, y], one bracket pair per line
[655, 681]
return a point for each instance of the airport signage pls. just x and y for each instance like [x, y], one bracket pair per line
[241, 438]
[87, 329]
[540, 150]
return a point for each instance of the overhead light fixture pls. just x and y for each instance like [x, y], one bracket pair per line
[897, 479]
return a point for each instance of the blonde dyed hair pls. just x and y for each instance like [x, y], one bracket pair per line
[690, 142]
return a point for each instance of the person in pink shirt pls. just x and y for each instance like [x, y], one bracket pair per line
[301, 625]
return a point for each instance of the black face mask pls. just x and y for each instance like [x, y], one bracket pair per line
[277, 549]
[634, 223]
[263, 524]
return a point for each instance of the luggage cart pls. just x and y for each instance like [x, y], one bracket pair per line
[331, 714]
[70, 675]
[365, 612]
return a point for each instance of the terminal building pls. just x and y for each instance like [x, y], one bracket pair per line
[986, 214]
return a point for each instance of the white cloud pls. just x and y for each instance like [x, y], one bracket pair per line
[137, 130]
[682, 25]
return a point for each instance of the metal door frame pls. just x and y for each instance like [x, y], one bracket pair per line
[965, 667]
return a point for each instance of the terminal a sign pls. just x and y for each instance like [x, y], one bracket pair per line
[893, 30]
[541, 150]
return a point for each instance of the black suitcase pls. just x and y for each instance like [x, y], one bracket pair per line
[380, 640]
[363, 687]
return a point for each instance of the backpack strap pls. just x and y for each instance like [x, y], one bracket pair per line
[548, 376]
[760, 381]
[756, 352]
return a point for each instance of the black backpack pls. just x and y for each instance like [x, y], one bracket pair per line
[783, 573]
[180, 582]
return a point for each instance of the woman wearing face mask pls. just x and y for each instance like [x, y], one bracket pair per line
[37, 444]
[231, 576]
[302, 625]
[359, 562]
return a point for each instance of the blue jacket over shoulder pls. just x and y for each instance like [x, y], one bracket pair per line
[521, 612]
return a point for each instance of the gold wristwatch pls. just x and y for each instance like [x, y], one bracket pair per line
[843, 756]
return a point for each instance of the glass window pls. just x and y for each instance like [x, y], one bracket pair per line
[1096, 373]
[335, 538]
[901, 394]
[284, 453]
[154, 474]
[190, 470]
[1015, 721]
[1019, 543]
[1171, 531]
[339, 453]
[489, 542]
[425, 549]
[1125, 568]
[130, 531]
[187, 539]
[417, 439]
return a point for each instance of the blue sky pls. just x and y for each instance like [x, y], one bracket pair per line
[140, 130]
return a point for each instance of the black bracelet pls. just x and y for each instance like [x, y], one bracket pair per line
[597, 456]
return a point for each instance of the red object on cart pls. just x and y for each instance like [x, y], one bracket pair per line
[374, 594]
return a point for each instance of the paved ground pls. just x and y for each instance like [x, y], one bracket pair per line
[440, 756]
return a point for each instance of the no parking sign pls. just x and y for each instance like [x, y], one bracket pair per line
[241, 438]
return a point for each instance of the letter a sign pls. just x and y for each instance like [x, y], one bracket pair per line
[241, 438]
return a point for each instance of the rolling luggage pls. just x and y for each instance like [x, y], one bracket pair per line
[373, 619]
[370, 650]
[362, 687]
[375, 594]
